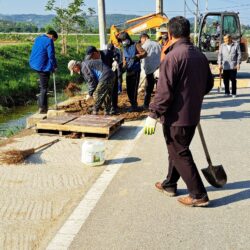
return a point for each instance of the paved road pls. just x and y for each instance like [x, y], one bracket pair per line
[37, 197]
[133, 215]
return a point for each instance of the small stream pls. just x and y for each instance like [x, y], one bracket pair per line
[14, 119]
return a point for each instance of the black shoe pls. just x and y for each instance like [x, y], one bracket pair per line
[94, 112]
[113, 111]
[133, 109]
[42, 111]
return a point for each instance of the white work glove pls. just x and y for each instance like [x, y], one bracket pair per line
[157, 73]
[149, 127]
[88, 97]
[115, 66]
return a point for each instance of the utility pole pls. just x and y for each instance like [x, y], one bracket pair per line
[102, 23]
[159, 9]
[206, 5]
[185, 8]
[196, 21]
[159, 6]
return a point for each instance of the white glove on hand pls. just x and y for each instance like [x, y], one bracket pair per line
[115, 66]
[88, 97]
[149, 127]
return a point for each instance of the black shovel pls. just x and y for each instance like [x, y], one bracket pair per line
[215, 175]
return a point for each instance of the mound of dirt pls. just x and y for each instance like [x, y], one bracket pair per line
[83, 107]
[72, 89]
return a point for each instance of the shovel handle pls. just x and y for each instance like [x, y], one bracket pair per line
[54, 81]
[204, 145]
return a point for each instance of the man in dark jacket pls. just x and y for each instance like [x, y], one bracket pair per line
[132, 54]
[43, 61]
[185, 78]
[100, 79]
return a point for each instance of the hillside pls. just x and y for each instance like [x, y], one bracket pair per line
[110, 19]
[38, 20]
[42, 20]
[10, 26]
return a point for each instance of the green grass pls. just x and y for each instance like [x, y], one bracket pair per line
[19, 84]
[11, 131]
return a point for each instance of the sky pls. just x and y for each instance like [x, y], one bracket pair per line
[139, 7]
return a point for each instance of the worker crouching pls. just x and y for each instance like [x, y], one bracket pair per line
[100, 79]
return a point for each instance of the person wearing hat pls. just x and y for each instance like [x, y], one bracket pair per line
[105, 55]
[100, 79]
[150, 64]
[43, 61]
[132, 54]
[110, 57]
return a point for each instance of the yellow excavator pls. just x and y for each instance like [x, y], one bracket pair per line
[138, 25]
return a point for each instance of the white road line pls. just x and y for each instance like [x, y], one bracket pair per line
[72, 226]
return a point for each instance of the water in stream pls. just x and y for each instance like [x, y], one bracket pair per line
[14, 119]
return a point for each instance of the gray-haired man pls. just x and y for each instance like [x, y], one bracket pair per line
[229, 60]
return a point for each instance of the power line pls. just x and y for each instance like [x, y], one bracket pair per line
[188, 8]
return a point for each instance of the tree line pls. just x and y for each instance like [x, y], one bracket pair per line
[9, 26]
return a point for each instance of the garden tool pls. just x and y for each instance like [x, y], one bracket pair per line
[215, 175]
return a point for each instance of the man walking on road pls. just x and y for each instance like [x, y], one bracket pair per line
[150, 64]
[229, 59]
[43, 61]
[185, 78]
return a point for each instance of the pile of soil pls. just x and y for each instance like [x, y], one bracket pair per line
[72, 89]
[82, 107]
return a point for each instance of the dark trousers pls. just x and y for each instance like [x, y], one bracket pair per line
[103, 95]
[132, 83]
[119, 72]
[43, 85]
[115, 92]
[230, 75]
[181, 163]
[150, 83]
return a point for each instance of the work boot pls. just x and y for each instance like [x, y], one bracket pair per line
[42, 111]
[133, 109]
[94, 112]
[192, 202]
[113, 111]
[169, 191]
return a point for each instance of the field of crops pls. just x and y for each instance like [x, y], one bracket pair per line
[19, 84]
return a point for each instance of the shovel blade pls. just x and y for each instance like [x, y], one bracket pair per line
[215, 175]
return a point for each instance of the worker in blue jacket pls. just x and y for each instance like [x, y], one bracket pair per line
[43, 61]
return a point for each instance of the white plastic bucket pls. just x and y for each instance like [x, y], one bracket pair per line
[93, 153]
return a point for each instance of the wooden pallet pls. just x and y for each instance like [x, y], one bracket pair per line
[87, 125]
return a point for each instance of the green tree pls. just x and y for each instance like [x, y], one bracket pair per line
[91, 11]
[67, 19]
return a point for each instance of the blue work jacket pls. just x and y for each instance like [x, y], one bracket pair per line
[42, 56]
